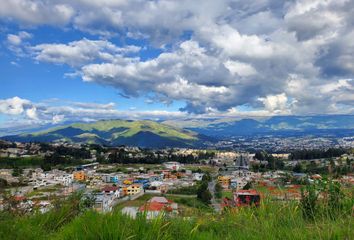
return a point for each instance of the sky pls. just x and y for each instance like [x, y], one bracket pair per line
[85, 60]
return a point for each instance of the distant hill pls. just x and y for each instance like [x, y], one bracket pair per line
[142, 133]
[336, 125]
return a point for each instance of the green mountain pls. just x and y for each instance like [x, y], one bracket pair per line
[142, 133]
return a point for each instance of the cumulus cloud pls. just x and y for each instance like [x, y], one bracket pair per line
[80, 52]
[17, 42]
[14, 106]
[277, 57]
[33, 12]
[239, 68]
[276, 103]
[16, 39]
[32, 113]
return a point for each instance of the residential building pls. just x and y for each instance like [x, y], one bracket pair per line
[80, 176]
[110, 178]
[111, 190]
[172, 165]
[132, 189]
[157, 206]
[224, 181]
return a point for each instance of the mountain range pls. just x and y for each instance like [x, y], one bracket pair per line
[336, 125]
[189, 132]
[142, 133]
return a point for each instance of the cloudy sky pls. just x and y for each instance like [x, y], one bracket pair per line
[64, 60]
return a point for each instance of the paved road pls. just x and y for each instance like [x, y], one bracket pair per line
[211, 188]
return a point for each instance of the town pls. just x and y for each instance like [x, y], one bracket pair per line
[172, 182]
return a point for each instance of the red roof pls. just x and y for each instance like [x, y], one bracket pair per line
[110, 188]
[152, 206]
[19, 198]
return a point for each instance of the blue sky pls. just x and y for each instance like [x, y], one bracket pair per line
[87, 60]
[39, 81]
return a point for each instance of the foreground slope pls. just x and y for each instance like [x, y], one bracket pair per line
[142, 133]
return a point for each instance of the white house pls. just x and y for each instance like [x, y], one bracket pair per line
[172, 165]
[198, 176]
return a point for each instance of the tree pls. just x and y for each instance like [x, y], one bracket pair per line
[218, 190]
[206, 197]
[298, 168]
[259, 156]
[3, 183]
[203, 193]
[17, 171]
[247, 186]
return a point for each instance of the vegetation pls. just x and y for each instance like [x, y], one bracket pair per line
[273, 163]
[218, 190]
[324, 199]
[272, 220]
[6, 162]
[147, 156]
[203, 193]
[192, 190]
[317, 153]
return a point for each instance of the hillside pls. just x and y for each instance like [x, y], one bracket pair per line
[336, 125]
[142, 133]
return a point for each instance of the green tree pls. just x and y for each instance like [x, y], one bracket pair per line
[17, 171]
[203, 193]
[218, 190]
[298, 168]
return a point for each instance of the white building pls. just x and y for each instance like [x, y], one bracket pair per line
[198, 176]
[172, 165]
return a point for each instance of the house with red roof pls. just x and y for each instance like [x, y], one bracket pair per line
[159, 206]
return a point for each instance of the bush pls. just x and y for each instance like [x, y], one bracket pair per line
[324, 199]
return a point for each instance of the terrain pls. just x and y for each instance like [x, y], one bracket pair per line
[141, 133]
[320, 125]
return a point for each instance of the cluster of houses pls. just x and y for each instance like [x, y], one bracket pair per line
[237, 179]
[106, 189]
[21, 150]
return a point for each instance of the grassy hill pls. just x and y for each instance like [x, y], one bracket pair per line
[143, 133]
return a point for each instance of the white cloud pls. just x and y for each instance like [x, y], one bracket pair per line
[14, 106]
[239, 68]
[276, 103]
[32, 113]
[283, 56]
[57, 119]
[341, 84]
[17, 42]
[36, 12]
[77, 53]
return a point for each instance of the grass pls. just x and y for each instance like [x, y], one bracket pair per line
[135, 203]
[272, 220]
[40, 191]
[226, 194]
